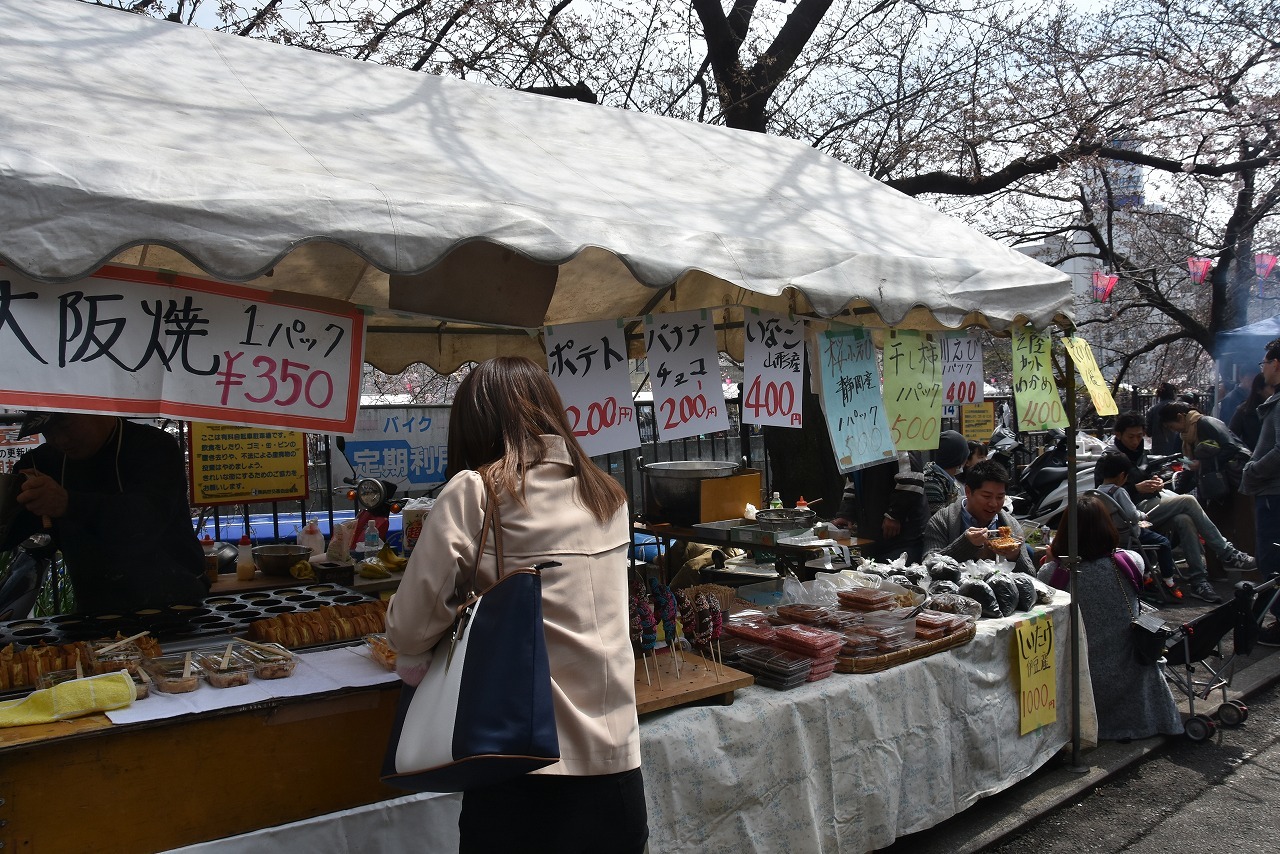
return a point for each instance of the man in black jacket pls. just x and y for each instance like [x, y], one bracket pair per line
[114, 495]
[886, 503]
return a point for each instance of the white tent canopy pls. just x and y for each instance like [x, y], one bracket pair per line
[151, 143]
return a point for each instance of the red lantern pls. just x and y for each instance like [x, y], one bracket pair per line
[1102, 285]
[1263, 265]
[1199, 268]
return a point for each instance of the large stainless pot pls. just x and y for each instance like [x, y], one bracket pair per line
[673, 492]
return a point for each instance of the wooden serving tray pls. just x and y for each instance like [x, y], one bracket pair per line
[698, 681]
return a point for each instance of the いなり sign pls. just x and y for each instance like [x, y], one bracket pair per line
[137, 343]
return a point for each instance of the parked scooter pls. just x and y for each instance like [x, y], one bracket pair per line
[1043, 487]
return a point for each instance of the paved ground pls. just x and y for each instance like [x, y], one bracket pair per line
[1167, 794]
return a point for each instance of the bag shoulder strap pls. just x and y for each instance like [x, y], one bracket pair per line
[491, 519]
[1120, 588]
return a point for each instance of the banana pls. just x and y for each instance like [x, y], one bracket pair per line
[373, 570]
[388, 557]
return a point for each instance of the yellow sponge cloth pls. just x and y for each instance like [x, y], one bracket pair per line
[70, 700]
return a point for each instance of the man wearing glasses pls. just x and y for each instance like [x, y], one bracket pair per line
[1261, 479]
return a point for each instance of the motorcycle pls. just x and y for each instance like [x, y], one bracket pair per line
[1043, 484]
[374, 500]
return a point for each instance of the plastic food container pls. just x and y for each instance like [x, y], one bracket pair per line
[381, 650]
[270, 661]
[166, 674]
[127, 657]
[56, 677]
[237, 671]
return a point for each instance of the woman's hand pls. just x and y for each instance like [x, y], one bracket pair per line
[412, 668]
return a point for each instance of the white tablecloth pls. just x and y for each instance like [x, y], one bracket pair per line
[846, 764]
[850, 763]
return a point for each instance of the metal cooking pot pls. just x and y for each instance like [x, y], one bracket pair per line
[673, 492]
[784, 519]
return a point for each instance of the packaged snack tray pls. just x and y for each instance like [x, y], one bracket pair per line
[775, 662]
[866, 599]
[236, 672]
[270, 660]
[167, 674]
[127, 657]
[381, 650]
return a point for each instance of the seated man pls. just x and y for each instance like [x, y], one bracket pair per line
[114, 495]
[963, 528]
[1176, 516]
[885, 503]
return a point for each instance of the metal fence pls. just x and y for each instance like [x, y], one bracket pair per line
[327, 501]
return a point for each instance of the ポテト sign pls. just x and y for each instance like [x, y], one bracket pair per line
[144, 344]
[588, 364]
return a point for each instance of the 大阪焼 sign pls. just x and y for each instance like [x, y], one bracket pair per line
[138, 343]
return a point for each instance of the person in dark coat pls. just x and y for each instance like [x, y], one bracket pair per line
[1246, 422]
[1163, 442]
[114, 495]
[885, 503]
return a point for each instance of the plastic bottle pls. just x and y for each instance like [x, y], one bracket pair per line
[210, 559]
[372, 542]
[775, 503]
[244, 560]
[311, 537]
[801, 504]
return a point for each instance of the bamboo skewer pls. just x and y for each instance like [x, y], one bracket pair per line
[121, 643]
[186, 666]
[226, 657]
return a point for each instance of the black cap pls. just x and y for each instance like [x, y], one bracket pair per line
[39, 422]
[953, 449]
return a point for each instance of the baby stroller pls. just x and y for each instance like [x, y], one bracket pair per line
[1191, 645]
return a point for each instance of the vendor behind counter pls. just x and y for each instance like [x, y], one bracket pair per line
[113, 494]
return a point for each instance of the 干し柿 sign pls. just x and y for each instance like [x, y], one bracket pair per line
[136, 343]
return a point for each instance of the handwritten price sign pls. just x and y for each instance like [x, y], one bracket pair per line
[851, 399]
[588, 364]
[1034, 391]
[962, 379]
[131, 342]
[912, 390]
[1037, 680]
[685, 373]
[1087, 367]
[773, 370]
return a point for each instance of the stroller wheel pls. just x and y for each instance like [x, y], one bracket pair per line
[1244, 710]
[1230, 715]
[1200, 728]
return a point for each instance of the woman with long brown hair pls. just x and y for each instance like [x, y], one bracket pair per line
[1132, 700]
[509, 441]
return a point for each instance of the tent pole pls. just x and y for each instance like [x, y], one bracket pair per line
[1073, 565]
